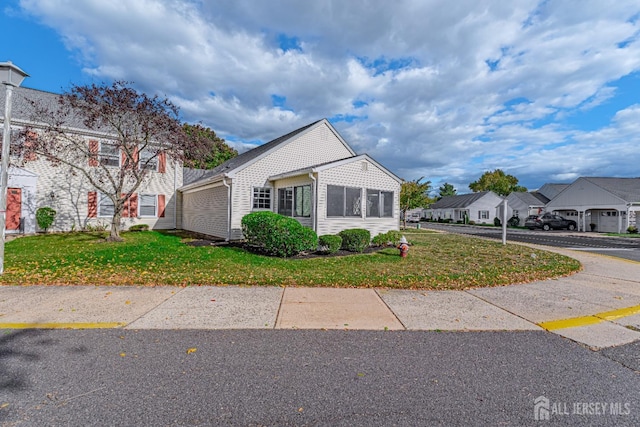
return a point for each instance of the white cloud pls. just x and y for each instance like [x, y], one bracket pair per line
[440, 114]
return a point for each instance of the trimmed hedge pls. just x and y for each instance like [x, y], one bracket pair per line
[355, 239]
[329, 243]
[139, 227]
[277, 234]
[384, 239]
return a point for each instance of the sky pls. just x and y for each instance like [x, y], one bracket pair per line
[443, 90]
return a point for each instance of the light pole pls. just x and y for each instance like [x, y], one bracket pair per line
[11, 76]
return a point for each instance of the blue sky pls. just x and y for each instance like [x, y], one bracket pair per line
[546, 90]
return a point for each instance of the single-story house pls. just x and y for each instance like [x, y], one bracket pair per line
[477, 207]
[599, 204]
[551, 190]
[310, 174]
[522, 204]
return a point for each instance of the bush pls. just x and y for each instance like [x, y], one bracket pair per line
[355, 239]
[277, 234]
[472, 222]
[329, 243]
[139, 227]
[632, 229]
[385, 239]
[45, 217]
[497, 222]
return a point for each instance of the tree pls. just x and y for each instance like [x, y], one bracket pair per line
[446, 190]
[139, 132]
[210, 152]
[498, 182]
[414, 194]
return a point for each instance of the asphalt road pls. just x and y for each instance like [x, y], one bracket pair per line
[311, 378]
[626, 248]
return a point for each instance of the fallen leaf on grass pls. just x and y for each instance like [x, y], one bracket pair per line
[191, 350]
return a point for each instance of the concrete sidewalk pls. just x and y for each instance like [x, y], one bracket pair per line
[599, 306]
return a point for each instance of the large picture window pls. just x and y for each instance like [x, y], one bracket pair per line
[379, 204]
[109, 155]
[295, 201]
[262, 198]
[344, 201]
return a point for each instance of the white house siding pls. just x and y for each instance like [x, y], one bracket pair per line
[67, 193]
[319, 145]
[358, 174]
[205, 211]
[27, 182]
[486, 203]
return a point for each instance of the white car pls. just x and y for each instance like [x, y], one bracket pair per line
[413, 217]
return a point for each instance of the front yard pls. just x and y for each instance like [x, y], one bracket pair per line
[435, 261]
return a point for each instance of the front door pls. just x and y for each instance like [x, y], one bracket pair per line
[14, 208]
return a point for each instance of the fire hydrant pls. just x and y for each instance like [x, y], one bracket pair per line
[404, 247]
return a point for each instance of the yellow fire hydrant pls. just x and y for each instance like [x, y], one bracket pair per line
[404, 247]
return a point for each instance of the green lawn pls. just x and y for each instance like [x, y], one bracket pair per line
[435, 261]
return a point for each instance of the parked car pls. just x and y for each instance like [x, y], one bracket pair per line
[548, 221]
[413, 217]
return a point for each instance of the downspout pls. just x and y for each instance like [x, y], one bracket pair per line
[314, 205]
[224, 182]
[175, 195]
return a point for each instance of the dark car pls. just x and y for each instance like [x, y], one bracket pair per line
[548, 221]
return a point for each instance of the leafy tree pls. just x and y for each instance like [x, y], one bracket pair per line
[45, 217]
[132, 123]
[414, 194]
[209, 152]
[445, 190]
[498, 182]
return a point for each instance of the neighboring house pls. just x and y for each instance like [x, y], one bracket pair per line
[310, 174]
[478, 207]
[523, 204]
[551, 190]
[610, 204]
[76, 202]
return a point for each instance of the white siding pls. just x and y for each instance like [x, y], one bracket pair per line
[359, 174]
[27, 182]
[205, 211]
[486, 203]
[585, 194]
[294, 182]
[319, 145]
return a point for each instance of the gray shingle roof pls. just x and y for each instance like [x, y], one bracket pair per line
[532, 198]
[550, 190]
[458, 201]
[627, 189]
[190, 175]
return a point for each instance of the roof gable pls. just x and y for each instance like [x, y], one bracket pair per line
[628, 189]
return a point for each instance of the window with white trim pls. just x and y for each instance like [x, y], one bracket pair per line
[285, 201]
[148, 160]
[344, 201]
[261, 198]
[147, 205]
[483, 214]
[109, 155]
[295, 201]
[379, 204]
[105, 206]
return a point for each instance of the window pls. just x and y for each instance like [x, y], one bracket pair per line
[344, 201]
[147, 205]
[379, 203]
[483, 214]
[105, 206]
[148, 160]
[262, 198]
[109, 155]
[295, 201]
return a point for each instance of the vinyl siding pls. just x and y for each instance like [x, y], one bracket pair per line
[205, 211]
[356, 174]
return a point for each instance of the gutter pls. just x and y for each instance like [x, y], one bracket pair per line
[224, 182]
[175, 195]
[314, 206]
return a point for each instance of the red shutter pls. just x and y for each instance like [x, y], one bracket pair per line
[133, 206]
[162, 162]
[125, 208]
[29, 146]
[161, 205]
[93, 204]
[94, 146]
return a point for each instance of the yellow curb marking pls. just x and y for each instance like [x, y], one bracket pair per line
[95, 325]
[590, 320]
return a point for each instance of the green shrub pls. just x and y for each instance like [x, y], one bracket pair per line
[45, 217]
[472, 222]
[385, 239]
[497, 222]
[355, 239]
[277, 234]
[139, 227]
[632, 229]
[329, 243]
